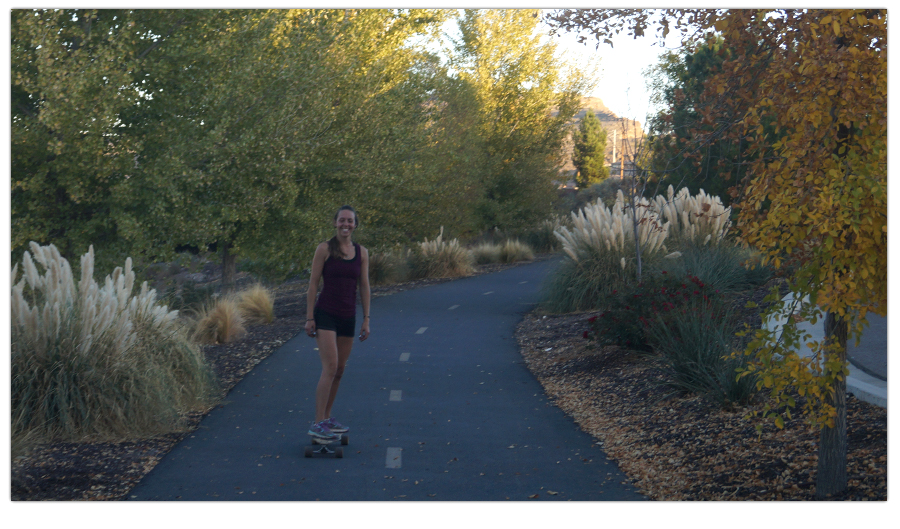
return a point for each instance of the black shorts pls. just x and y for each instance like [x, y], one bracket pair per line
[330, 322]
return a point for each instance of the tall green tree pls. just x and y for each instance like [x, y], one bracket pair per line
[513, 73]
[589, 156]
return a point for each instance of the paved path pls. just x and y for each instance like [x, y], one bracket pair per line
[440, 404]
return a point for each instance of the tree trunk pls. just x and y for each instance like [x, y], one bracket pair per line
[832, 467]
[228, 267]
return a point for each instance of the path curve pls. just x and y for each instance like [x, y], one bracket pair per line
[440, 404]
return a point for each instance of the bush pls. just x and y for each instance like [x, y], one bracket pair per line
[220, 322]
[97, 362]
[257, 305]
[388, 267]
[486, 253]
[542, 239]
[694, 343]
[628, 311]
[724, 267]
[438, 258]
[514, 251]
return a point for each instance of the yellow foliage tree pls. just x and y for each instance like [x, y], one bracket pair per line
[807, 91]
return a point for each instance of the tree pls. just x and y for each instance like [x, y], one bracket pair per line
[590, 151]
[677, 156]
[808, 91]
[515, 78]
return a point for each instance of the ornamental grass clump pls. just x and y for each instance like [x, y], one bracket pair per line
[699, 219]
[257, 305]
[388, 267]
[513, 251]
[218, 322]
[439, 258]
[97, 362]
[486, 253]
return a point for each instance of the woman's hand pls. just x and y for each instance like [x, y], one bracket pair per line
[364, 330]
[311, 328]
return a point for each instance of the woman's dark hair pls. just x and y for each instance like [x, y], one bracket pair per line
[334, 247]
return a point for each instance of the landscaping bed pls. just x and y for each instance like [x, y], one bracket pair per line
[682, 447]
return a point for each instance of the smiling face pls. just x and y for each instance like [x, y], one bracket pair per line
[345, 223]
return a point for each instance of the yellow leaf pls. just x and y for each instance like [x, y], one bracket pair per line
[837, 28]
[826, 20]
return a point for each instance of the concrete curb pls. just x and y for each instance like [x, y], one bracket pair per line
[860, 384]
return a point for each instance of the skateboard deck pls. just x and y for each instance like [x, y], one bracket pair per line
[320, 447]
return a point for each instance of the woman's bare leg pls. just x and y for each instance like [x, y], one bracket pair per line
[344, 345]
[328, 352]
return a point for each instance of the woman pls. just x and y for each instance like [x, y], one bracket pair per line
[344, 265]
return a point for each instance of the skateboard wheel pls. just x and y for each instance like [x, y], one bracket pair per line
[308, 452]
[345, 440]
[339, 452]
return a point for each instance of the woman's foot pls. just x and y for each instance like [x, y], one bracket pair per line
[319, 430]
[335, 426]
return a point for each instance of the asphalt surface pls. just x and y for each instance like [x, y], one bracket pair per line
[440, 405]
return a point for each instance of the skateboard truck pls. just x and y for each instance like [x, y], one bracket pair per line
[322, 447]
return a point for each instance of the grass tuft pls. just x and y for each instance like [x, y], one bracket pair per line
[514, 251]
[439, 258]
[220, 322]
[257, 305]
[486, 253]
[388, 267]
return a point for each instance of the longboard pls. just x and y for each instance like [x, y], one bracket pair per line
[322, 447]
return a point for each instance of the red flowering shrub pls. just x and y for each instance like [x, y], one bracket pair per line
[630, 310]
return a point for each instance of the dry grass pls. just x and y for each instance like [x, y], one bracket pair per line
[388, 267]
[439, 258]
[220, 323]
[514, 251]
[257, 305]
[486, 253]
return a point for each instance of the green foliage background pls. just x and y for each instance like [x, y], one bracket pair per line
[142, 131]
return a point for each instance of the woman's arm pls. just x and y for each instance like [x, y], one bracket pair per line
[314, 275]
[365, 293]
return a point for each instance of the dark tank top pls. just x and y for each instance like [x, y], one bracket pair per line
[338, 296]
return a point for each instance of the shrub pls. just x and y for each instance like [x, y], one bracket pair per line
[542, 239]
[388, 267]
[694, 343]
[96, 362]
[514, 251]
[725, 267]
[486, 253]
[220, 322]
[438, 258]
[257, 305]
[627, 311]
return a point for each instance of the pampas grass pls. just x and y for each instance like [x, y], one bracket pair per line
[486, 253]
[98, 362]
[513, 251]
[439, 258]
[257, 305]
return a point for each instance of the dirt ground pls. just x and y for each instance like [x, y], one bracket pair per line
[679, 448]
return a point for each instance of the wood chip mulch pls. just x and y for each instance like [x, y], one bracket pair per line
[682, 447]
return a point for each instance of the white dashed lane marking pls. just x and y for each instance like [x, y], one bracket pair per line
[486, 293]
[393, 458]
[404, 357]
[454, 307]
[395, 395]
[422, 330]
[522, 282]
